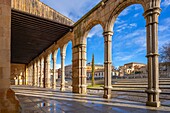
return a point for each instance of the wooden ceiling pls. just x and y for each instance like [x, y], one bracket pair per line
[31, 35]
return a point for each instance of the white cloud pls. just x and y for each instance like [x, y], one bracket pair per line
[136, 15]
[125, 11]
[165, 3]
[163, 28]
[124, 57]
[134, 34]
[119, 21]
[137, 7]
[167, 21]
[96, 31]
[135, 40]
[72, 9]
[133, 25]
[124, 26]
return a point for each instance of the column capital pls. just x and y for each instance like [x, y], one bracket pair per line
[108, 33]
[151, 11]
[79, 46]
[152, 54]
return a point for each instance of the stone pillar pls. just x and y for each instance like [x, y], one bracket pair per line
[47, 71]
[79, 77]
[153, 90]
[32, 74]
[54, 70]
[44, 71]
[29, 74]
[26, 75]
[107, 64]
[35, 74]
[8, 102]
[23, 77]
[62, 70]
[41, 72]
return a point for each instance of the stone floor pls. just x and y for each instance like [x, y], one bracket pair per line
[39, 100]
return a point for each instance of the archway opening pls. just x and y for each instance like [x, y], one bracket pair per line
[95, 50]
[68, 65]
[58, 69]
[51, 70]
[128, 53]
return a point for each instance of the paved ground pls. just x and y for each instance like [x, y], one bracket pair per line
[39, 100]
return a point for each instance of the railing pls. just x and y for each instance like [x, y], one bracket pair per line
[38, 8]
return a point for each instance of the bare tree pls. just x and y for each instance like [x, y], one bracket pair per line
[165, 53]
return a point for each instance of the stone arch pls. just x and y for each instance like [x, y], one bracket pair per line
[56, 52]
[118, 9]
[63, 48]
[89, 26]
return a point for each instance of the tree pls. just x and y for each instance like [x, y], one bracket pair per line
[93, 70]
[165, 53]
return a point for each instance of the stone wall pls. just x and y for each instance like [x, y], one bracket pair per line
[38, 8]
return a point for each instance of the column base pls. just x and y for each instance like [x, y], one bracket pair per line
[80, 89]
[62, 89]
[153, 104]
[107, 92]
[41, 85]
[75, 89]
[54, 86]
[10, 104]
[107, 96]
[151, 93]
[47, 85]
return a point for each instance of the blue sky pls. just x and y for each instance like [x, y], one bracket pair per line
[129, 39]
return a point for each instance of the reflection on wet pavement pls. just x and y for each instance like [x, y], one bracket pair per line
[46, 101]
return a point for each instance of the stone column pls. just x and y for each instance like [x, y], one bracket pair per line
[107, 64]
[8, 102]
[44, 70]
[153, 90]
[29, 75]
[23, 77]
[41, 72]
[54, 70]
[47, 71]
[79, 76]
[35, 74]
[62, 70]
[32, 74]
[26, 75]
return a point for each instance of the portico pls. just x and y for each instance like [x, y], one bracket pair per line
[34, 35]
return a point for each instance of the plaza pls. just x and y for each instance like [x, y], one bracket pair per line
[40, 100]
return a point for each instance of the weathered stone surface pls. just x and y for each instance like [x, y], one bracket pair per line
[8, 102]
[36, 7]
